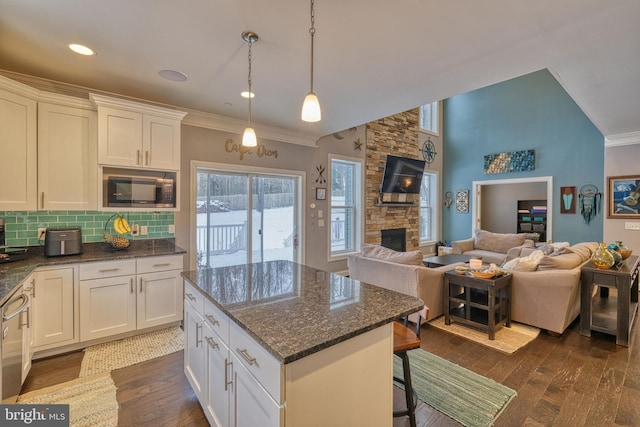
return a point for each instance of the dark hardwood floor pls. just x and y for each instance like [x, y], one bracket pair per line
[567, 380]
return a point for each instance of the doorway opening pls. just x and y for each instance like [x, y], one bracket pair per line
[500, 205]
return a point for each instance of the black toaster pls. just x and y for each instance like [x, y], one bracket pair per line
[63, 241]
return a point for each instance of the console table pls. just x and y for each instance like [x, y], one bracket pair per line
[481, 303]
[601, 312]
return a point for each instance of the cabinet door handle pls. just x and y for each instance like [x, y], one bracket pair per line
[190, 296]
[212, 343]
[25, 324]
[212, 319]
[142, 282]
[198, 339]
[246, 356]
[42, 200]
[109, 270]
[33, 288]
[138, 157]
[228, 366]
[131, 285]
[146, 158]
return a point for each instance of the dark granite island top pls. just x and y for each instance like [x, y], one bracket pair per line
[12, 273]
[293, 310]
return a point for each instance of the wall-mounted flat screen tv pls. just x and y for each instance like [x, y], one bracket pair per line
[402, 175]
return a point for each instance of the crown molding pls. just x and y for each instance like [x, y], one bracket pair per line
[39, 88]
[232, 125]
[618, 140]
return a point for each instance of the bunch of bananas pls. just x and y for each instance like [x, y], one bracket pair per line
[121, 226]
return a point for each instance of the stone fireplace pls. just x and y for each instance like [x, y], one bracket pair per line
[397, 135]
[394, 238]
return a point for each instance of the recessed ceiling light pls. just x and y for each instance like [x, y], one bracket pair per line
[245, 94]
[81, 49]
[173, 75]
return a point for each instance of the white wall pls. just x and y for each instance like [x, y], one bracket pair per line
[620, 161]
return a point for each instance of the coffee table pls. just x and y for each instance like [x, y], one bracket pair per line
[482, 303]
[439, 261]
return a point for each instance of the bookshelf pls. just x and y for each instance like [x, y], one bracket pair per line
[532, 217]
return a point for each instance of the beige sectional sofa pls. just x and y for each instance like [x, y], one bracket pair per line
[402, 272]
[544, 293]
[492, 247]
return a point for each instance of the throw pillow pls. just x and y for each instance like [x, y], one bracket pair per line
[386, 254]
[527, 263]
[497, 242]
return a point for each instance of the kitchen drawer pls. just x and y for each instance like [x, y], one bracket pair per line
[218, 321]
[159, 263]
[262, 365]
[97, 270]
[194, 297]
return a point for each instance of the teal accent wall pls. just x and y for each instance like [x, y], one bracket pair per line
[21, 227]
[528, 112]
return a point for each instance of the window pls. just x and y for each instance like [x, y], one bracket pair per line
[428, 204]
[429, 117]
[345, 203]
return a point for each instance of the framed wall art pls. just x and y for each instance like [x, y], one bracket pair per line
[624, 196]
[462, 201]
[567, 200]
[321, 194]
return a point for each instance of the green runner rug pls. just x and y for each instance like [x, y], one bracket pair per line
[463, 395]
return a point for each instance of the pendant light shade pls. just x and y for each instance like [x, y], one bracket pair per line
[249, 137]
[311, 106]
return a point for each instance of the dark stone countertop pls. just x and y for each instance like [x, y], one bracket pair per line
[293, 310]
[12, 273]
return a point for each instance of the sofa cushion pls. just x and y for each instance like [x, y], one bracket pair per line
[565, 261]
[497, 242]
[386, 254]
[585, 249]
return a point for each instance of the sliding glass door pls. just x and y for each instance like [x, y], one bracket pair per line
[245, 217]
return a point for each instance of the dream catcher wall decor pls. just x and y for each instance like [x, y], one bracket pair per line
[590, 202]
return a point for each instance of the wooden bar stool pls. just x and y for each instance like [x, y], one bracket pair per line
[405, 339]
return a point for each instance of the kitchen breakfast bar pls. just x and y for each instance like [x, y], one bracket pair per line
[282, 344]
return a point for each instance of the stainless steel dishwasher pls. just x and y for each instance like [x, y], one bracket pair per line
[15, 316]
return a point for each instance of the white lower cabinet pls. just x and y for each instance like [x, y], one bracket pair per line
[228, 391]
[55, 305]
[107, 307]
[194, 351]
[159, 298]
[114, 299]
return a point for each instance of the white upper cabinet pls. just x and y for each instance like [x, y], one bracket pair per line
[67, 159]
[137, 135]
[18, 145]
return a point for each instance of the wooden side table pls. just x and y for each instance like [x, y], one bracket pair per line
[481, 303]
[609, 314]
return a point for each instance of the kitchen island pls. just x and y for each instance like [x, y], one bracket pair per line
[278, 343]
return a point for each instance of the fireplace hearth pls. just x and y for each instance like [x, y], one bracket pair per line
[394, 238]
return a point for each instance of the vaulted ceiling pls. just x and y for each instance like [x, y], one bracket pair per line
[373, 58]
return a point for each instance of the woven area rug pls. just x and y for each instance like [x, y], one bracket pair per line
[463, 395]
[129, 351]
[508, 340]
[91, 400]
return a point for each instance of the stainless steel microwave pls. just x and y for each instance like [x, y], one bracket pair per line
[139, 192]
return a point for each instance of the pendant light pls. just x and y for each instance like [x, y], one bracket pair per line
[249, 136]
[311, 106]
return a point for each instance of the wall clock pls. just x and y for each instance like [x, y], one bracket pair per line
[428, 151]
